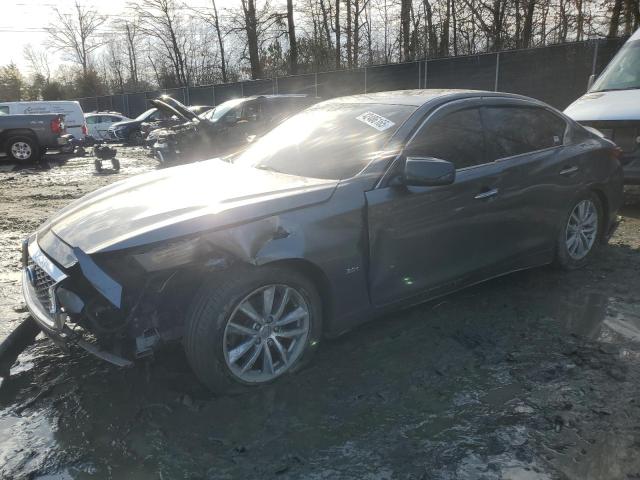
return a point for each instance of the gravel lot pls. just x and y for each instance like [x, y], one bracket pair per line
[531, 376]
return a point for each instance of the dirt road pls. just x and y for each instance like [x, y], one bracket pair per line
[531, 376]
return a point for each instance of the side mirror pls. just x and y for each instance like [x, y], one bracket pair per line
[428, 172]
[592, 79]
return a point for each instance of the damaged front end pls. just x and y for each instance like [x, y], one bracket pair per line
[119, 306]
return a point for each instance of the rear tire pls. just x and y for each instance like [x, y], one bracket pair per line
[22, 149]
[219, 353]
[581, 232]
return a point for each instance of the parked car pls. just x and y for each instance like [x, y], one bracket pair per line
[129, 131]
[612, 106]
[98, 123]
[72, 111]
[227, 129]
[27, 137]
[149, 129]
[345, 210]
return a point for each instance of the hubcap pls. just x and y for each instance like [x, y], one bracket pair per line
[266, 333]
[582, 229]
[21, 150]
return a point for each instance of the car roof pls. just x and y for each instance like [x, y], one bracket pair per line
[418, 98]
[636, 36]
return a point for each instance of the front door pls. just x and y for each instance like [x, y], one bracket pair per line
[429, 238]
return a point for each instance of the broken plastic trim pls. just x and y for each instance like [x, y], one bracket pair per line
[103, 283]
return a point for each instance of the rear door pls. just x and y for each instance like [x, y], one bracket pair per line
[539, 175]
[423, 239]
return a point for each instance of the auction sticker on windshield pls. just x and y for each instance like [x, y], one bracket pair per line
[376, 121]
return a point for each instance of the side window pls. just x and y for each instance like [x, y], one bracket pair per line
[113, 119]
[517, 130]
[4, 109]
[456, 137]
[92, 120]
[251, 111]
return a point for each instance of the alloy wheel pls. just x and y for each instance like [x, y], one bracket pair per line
[266, 333]
[582, 229]
[21, 150]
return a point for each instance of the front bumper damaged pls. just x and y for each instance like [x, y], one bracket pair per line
[50, 303]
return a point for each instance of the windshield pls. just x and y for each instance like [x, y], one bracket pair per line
[623, 72]
[331, 141]
[206, 114]
[223, 108]
[143, 116]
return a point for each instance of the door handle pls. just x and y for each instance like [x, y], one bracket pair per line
[486, 194]
[569, 170]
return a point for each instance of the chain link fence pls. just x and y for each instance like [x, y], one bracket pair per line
[556, 74]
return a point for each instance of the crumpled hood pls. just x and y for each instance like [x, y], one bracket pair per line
[614, 105]
[126, 123]
[179, 201]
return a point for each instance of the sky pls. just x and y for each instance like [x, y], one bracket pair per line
[22, 22]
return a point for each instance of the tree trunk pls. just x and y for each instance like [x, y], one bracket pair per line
[405, 26]
[251, 27]
[356, 31]
[348, 32]
[293, 44]
[337, 34]
[444, 36]
[527, 28]
[223, 60]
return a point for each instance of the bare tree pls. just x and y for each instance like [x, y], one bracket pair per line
[216, 24]
[38, 62]
[77, 34]
[159, 19]
[293, 44]
[251, 29]
[337, 28]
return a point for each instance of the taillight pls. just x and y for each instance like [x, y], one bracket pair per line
[57, 126]
[84, 128]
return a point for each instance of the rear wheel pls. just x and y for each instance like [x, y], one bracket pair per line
[581, 231]
[22, 149]
[252, 328]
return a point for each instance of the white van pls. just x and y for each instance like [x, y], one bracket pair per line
[72, 111]
[612, 106]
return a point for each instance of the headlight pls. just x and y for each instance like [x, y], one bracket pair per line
[169, 255]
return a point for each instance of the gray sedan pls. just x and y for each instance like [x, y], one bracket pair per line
[354, 206]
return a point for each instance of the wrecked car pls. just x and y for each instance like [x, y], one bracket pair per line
[151, 129]
[129, 131]
[225, 130]
[350, 208]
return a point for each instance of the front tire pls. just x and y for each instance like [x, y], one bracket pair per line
[22, 149]
[135, 138]
[252, 327]
[581, 232]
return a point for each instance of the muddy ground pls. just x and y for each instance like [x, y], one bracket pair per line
[531, 376]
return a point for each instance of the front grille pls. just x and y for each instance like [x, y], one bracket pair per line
[41, 283]
[624, 133]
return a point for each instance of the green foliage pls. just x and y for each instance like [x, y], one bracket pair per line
[11, 83]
